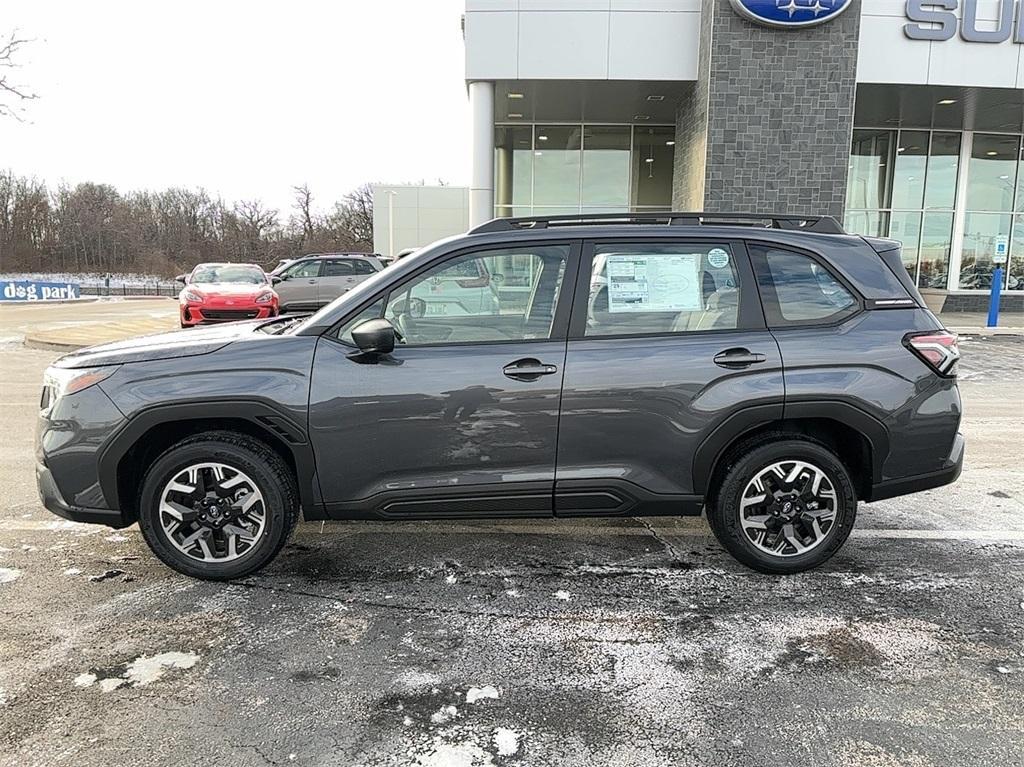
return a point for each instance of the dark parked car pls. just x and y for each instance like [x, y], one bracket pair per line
[773, 371]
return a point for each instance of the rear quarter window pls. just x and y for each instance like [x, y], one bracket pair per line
[797, 289]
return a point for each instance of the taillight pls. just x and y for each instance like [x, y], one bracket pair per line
[938, 349]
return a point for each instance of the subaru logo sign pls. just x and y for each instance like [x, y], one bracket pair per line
[787, 14]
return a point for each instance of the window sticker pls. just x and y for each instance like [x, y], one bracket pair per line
[654, 283]
[718, 258]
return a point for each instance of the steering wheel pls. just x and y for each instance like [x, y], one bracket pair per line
[406, 312]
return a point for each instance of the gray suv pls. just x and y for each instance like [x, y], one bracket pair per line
[310, 282]
[773, 371]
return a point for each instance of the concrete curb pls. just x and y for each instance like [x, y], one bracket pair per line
[54, 346]
[988, 332]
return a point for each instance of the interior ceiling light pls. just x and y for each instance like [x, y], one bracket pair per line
[649, 159]
[947, 102]
[992, 153]
[514, 115]
[670, 143]
[515, 95]
[542, 138]
[655, 98]
[641, 117]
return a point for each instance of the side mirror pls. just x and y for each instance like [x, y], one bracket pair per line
[498, 279]
[182, 278]
[374, 336]
[275, 279]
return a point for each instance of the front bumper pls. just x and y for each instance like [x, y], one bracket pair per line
[202, 314]
[949, 473]
[50, 495]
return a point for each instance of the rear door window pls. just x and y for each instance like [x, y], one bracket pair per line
[797, 289]
[338, 268]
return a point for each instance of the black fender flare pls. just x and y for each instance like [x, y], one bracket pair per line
[749, 419]
[264, 415]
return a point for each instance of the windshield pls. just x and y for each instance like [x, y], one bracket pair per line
[249, 275]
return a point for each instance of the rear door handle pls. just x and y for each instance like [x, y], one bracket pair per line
[528, 369]
[738, 358]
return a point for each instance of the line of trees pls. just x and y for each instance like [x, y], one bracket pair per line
[95, 228]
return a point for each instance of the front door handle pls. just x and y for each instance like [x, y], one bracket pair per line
[738, 358]
[528, 369]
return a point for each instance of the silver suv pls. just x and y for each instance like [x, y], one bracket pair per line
[310, 282]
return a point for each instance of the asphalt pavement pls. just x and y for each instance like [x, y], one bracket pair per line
[577, 642]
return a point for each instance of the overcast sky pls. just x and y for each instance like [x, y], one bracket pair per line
[243, 97]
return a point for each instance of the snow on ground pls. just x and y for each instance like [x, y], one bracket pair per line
[9, 574]
[87, 278]
[141, 672]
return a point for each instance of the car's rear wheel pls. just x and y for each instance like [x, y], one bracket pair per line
[784, 505]
[218, 506]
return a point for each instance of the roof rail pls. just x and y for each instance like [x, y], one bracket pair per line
[819, 224]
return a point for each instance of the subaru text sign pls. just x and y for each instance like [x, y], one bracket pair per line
[935, 20]
[786, 14]
[25, 290]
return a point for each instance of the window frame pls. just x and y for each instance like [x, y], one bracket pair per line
[750, 318]
[769, 296]
[563, 301]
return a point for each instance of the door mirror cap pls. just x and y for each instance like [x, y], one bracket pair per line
[182, 278]
[275, 279]
[374, 336]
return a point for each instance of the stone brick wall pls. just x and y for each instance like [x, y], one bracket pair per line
[769, 123]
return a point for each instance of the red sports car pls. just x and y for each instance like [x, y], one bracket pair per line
[226, 292]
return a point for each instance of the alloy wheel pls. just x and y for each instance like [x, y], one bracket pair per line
[788, 508]
[213, 512]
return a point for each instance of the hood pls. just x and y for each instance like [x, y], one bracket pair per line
[160, 346]
[215, 289]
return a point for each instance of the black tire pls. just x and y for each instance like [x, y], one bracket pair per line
[268, 471]
[742, 465]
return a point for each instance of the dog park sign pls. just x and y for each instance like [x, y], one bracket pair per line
[28, 290]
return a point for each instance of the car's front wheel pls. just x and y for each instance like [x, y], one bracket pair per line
[218, 506]
[784, 505]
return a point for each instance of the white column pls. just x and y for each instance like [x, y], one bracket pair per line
[956, 249]
[481, 187]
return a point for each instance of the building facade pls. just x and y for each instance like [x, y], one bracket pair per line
[902, 118]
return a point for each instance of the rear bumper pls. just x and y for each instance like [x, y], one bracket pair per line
[50, 495]
[949, 472]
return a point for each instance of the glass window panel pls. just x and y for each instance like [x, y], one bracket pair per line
[982, 234]
[653, 158]
[867, 184]
[993, 172]
[1020, 180]
[869, 223]
[943, 166]
[906, 227]
[556, 164]
[513, 165]
[936, 241]
[606, 165]
[496, 295]
[805, 292]
[908, 176]
[650, 288]
[1015, 277]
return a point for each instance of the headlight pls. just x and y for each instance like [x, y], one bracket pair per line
[59, 382]
[265, 298]
[191, 295]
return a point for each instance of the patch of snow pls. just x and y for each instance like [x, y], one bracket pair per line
[111, 684]
[565, 596]
[85, 680]
[73, 571]
[9, 574]
[451, 580]
[466, 754]
[417, 680]
[116, 538]
[145, 670]
[479, 693]
[513, 593]
[406, 721]
[506, 741]
[444, 715]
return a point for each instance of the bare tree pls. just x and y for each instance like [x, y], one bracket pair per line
[304, 212]
[12, 96]
[354, 216]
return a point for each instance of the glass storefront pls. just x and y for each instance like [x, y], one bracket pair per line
[582, 168]
[905, 184]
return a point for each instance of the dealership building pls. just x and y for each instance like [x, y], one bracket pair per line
[903, 119]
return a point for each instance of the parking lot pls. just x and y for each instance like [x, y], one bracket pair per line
[576, 642]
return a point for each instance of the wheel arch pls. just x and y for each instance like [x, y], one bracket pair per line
[125, 458]
[858, 439]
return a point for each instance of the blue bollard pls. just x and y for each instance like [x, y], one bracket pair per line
[993, 297]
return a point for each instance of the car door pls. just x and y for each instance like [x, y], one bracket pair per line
[462, 418]
[338, 276]
[669, 344]
[297, 288]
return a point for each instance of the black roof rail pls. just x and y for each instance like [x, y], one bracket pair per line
[819, 224]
